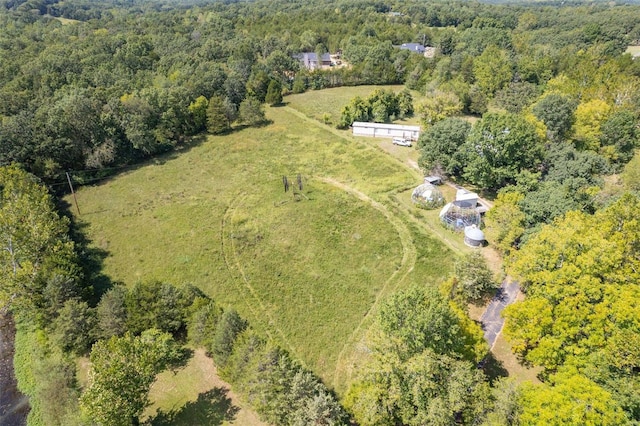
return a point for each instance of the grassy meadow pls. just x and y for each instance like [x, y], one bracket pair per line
[309, 269]
[316, 104]
[194, 395]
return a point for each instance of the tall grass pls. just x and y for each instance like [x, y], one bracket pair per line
[304, 272]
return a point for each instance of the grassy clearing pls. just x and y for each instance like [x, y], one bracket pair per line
[315, 104]
[194, 395]
[304, 272]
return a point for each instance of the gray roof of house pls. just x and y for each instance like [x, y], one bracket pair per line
[311, 56]
[414, 47]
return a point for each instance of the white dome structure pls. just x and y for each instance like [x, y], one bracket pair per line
[427, 196]
[457, 216]
[473, 236]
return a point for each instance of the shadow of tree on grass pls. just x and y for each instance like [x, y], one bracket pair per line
[211, 408]
[493, 368]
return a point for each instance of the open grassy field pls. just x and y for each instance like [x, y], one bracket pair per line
[308, 273]
[331, 101]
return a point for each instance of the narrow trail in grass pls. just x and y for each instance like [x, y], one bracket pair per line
[409, 254]
[232, 262]
[437, 232]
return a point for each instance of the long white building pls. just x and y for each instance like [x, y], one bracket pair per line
[384, 130]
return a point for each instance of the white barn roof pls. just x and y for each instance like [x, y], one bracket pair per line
[385, 126]
[385, 130]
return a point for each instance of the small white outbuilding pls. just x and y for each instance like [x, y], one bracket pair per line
[466, 198]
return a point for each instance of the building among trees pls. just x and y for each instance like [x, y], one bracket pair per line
[309, 60]
[385, 130]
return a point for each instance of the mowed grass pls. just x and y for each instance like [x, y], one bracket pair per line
[306, 273]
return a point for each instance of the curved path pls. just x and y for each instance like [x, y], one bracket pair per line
[409, 255]
[232, 262]
[491, 319]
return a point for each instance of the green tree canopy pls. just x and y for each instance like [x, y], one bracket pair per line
[35, 245]
[251, 112]
[569, 400]
[421, 371]
[492, 70]
[437, 106]
[578, 273]
[440, 144]
[499, 147]
[121, 373]
[474, 279]
[557, 112]
[620, 132]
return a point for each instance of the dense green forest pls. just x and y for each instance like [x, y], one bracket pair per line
[94, 88]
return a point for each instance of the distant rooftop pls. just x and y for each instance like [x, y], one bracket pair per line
[414, 47]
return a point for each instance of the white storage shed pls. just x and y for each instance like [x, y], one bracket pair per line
[384, 130]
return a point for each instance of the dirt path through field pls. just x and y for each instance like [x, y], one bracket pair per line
[407, 263]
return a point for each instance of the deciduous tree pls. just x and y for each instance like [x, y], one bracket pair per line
[557, 113]
[589, 117]
[498, 148]
[474, 279]
[35, 245]
[569, 400]
[440, 144]
[437, 106]
[121, 373]
[492, 70]
[505, 221]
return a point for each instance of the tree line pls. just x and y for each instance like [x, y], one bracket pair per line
[130, 335]
[86, 86]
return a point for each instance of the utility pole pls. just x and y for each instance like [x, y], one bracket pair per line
[73, 192]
